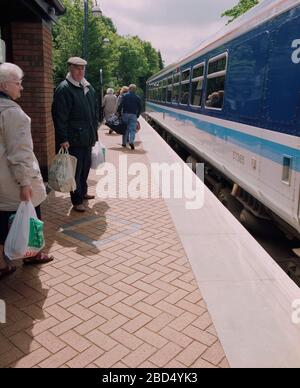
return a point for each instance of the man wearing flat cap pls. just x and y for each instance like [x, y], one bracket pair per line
[75, 117]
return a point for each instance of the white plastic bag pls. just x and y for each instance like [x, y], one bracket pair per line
[25, 237]
[98, 155]
[62, 172]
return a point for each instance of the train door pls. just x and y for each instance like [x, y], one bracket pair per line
[246, 80]
[280, 143]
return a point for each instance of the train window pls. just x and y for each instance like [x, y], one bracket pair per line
[170, 81]
[287, 169]
[169, 94]
[185, 75]
[197, 91]
[164, 91]
[198, 71]
[216, 82]
[176, 78]
[175, 94]
[185, 93]
[197, 85]
[185, 87]
[216, 65]
[160, 94]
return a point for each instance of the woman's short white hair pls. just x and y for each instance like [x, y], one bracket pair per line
[110, 91]
[10, 72]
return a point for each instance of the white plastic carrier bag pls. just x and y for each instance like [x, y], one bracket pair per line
[62, 172]
[25, 237]
[98, 155]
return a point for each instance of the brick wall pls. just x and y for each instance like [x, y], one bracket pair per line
[32, 51]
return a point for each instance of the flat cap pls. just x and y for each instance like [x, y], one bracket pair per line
[77, 61]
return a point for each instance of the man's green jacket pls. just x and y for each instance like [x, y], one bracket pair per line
[75, 115]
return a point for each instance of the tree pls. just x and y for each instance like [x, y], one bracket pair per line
[68, 42]
[238, 10]
[126, 60]
[160, 61]
[136, 61]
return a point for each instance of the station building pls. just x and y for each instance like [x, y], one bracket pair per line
[26, 40]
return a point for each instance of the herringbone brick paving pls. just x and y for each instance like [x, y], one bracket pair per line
[130, 302]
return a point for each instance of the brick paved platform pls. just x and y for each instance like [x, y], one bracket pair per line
[120, 293]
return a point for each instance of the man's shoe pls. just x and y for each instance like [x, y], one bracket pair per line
[132, 146]
[87, 197]
[79, 208]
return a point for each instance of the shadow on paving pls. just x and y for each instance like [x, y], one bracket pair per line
[77, 231]
[26, 291]
[24, 296]
[129, 151]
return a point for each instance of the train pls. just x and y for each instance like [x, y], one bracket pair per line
[234, 104]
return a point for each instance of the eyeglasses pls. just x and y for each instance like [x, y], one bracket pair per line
[18, 83]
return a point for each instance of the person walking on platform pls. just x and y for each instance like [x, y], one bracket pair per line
[20, 176]
[124, 90]
[76, 120]
[130, 108]
[109, 104]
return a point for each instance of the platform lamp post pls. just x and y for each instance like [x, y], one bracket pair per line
[96, 11]
[105, 43]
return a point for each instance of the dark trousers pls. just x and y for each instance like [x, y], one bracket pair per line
[84, 161]
[4, 223]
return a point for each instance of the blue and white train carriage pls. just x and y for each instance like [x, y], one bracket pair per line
[235, 103]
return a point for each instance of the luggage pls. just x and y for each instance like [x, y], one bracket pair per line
[116, 124]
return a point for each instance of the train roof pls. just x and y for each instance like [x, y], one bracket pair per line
[262, 12]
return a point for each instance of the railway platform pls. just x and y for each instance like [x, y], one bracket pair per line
[147, 283]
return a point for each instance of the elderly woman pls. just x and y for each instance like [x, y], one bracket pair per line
[20, 177]
[109, 104]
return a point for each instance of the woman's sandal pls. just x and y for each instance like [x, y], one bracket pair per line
[10, 269]
[41, 258]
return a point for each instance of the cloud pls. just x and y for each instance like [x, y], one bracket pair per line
[175, 27]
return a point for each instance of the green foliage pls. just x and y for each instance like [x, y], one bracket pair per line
[136, 62]
[124, 61]
[238, 10]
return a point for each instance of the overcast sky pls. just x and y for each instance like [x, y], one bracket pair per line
[176, 27]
